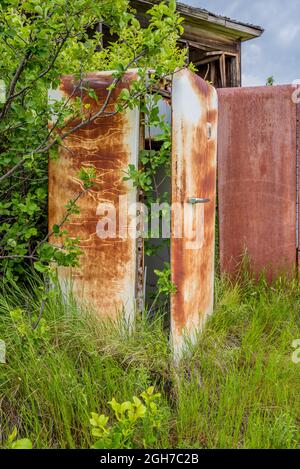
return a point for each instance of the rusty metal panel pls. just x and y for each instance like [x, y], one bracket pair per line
[106, 276]
[257, 179]
[194, 140]
[296, 98]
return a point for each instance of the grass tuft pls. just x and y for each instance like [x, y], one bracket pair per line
[240, 388]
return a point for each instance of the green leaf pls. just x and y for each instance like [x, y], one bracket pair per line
[124, 94]
[40, 267]
[100, 444]
[30, 233]
[92, 94]
[23, 443]
[97, 432]
[13, 435]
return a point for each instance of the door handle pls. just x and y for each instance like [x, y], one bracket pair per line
[197, 200]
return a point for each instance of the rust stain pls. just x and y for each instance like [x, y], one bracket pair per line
[105, 278]
[194, 106]
[257, 179]
[296, 98]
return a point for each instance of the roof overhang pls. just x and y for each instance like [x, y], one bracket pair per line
[200, 17]
[228, 26]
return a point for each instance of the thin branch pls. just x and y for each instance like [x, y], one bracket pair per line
[43, 305]
[55, 125]
[100, 113]
[19, 257]
[91, 119]
[12, 170]
[81, 124]
[44, 72]
[62, 222]
[13, 83]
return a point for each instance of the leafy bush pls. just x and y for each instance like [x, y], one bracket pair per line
[41, 41]
[128, 417]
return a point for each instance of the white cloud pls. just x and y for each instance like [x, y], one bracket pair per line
[252, 80]
[289, 33]
[252, 53]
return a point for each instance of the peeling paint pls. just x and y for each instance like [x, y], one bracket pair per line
[194, 106]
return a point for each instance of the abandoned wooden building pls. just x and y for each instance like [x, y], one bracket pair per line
[213, 42]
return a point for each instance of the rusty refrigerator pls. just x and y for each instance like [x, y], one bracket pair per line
[106, 275]
[107, 272]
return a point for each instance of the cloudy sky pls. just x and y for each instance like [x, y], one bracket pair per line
[275, 53]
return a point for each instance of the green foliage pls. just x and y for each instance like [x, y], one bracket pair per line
[87, 176]
[128, 417]
[164, 283]
[41, 40]
[152, 160]
[25, 327]
[50, 386]
[12, 443]
[239, 388]
[270, 81]
[165, 286]
[147, 179]
[139, 178]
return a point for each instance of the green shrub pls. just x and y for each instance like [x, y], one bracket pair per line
[128, 417]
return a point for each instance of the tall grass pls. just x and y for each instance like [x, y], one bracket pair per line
[239, 388]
